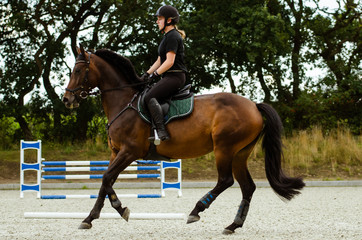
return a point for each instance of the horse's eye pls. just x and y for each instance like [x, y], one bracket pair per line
[77, 70]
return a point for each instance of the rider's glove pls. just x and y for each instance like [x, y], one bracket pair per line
[153, 75]
[145, 77]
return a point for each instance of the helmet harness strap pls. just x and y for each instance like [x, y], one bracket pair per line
[166, 24]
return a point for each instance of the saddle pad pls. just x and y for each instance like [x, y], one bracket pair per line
[178, 108]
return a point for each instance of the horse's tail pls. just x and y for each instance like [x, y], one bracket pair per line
[283, 185]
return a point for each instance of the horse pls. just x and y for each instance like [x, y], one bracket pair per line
[225, 123]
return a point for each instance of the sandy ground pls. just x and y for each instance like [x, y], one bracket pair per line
[318, 213]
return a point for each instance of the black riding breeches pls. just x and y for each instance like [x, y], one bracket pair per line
[166, 87]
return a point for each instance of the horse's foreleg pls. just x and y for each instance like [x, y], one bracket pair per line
[225, 181]
[110, 176]
[94, 214]
[116, 204]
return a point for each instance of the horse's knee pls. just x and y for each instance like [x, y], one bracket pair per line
[107, 180]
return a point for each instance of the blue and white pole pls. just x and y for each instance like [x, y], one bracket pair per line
[25, 145]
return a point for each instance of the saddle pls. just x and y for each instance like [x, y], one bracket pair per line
[179, 105]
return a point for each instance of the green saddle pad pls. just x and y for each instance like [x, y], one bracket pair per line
[178, 108]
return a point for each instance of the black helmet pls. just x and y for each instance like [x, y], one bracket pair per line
[168, 12]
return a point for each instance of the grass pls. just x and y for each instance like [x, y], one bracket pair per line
[335, 155]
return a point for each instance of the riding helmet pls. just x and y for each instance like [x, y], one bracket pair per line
[168, 12]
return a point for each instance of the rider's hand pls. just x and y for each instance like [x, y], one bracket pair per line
[153, 75]
[145, 77]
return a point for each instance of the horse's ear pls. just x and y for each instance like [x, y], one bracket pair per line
[78, 50]
[82, 50]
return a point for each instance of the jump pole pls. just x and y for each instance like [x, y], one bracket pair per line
[79, 215]
[43, 166]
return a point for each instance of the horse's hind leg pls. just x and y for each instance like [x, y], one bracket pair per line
[225, 180]
[247, 185]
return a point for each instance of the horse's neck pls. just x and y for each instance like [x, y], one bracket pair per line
[115, 100]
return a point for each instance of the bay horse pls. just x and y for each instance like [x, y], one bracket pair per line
[225, 123]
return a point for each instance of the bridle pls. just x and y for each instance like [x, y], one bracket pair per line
[85, 92]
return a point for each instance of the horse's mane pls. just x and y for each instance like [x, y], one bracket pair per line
[121, 63]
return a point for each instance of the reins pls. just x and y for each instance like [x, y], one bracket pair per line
[120, 88]
[84, 93]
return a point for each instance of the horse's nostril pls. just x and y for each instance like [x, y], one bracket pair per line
[65, 100]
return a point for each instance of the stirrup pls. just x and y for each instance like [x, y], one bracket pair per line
[156, 139]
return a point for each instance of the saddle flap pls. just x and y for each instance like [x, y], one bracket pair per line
[175, 108]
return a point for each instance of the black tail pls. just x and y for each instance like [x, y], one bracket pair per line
[284, 186]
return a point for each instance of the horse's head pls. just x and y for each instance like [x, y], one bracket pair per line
[81, 82]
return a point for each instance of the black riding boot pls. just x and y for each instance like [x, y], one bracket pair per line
[156, 112]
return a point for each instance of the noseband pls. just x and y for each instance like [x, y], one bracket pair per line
[83, 91]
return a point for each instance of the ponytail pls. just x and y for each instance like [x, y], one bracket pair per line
[181, 32]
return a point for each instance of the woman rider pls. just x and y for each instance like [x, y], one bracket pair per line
[169, 64]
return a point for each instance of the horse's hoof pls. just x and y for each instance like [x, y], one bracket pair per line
[192, 219]
[126, 213]
[85, 225]
[227, 231]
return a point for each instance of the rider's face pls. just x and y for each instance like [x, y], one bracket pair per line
[160, 22]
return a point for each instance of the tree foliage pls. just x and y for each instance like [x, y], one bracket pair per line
[37, 36]
[261, 48]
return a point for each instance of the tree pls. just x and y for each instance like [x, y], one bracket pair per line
[34, 39]
[238, 36]
[265, 43]
[337, 40]
[299, 15]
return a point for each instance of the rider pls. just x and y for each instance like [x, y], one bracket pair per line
[169, 64]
